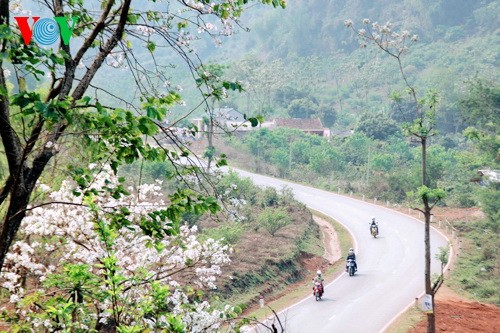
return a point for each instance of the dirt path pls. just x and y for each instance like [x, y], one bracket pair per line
[330, 240]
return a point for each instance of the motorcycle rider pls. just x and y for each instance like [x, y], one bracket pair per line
[374, 224]
[351, 255]
[319, 279]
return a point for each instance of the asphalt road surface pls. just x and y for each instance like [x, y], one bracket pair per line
[390, 268]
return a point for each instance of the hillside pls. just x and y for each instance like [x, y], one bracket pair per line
[305, 53]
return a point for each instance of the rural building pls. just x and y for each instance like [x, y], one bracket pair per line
[306, 125]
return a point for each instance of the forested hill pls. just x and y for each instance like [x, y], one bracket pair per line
[302, 62]
[315, 27]
[303, 58]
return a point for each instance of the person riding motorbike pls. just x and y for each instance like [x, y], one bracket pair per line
[374, 225]
[319, 279]
[351, 255]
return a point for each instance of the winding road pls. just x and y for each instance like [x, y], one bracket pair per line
[390, 268]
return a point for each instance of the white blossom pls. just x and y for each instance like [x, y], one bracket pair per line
[70, 228]
[44, 188]
[145, 30]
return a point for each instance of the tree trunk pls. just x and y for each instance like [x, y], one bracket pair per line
[423, 141]
[431, 322]
[12, 221]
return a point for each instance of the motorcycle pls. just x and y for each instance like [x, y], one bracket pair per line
[374, 231]
[350, 267]
[317, 290]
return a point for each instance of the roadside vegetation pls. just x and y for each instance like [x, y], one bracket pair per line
[270, 233]
[476, 272]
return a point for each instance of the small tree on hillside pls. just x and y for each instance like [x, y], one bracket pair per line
[396, 45]
[273, 219]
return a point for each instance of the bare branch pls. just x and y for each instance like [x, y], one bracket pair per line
[99, 59]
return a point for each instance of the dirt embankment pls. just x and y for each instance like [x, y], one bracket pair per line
[330, 240]
[455, 314]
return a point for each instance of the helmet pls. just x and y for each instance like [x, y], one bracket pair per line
[351, 250]
[318, 272]
[373, 218]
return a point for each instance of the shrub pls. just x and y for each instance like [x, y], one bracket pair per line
[269, 197]
[229, 232]
[273, 219]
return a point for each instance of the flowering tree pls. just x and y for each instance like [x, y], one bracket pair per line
[35, 125]
[396, 45]
[93, 262]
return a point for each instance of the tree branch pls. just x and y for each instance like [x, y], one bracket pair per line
[99, 59]
[10, 139]
[98, 29]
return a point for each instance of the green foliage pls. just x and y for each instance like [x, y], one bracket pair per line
[333, 71]
[443, 256]
[475, 271]
[186, 201]
[273, 219]
[355, 149]
[284, 95]
[431, 195]
[377, 126]
[440, 163]
[424, 125]
[383, 162]
[302, 108]
[481, 111]
[228, 233]
[238, 187]
[490, 204]
[269, 197]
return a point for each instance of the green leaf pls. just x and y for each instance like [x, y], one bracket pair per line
[151, 46]
[132, 18]
[147, 126]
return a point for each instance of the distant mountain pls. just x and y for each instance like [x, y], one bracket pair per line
[306, 51]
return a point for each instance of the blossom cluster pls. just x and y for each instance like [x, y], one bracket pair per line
[145, 30]
[384, 36]
[115, 59]
[67, 232]
[16, 8]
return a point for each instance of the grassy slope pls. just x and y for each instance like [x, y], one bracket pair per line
[264, 265]
[476, 274]
[302, 288]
